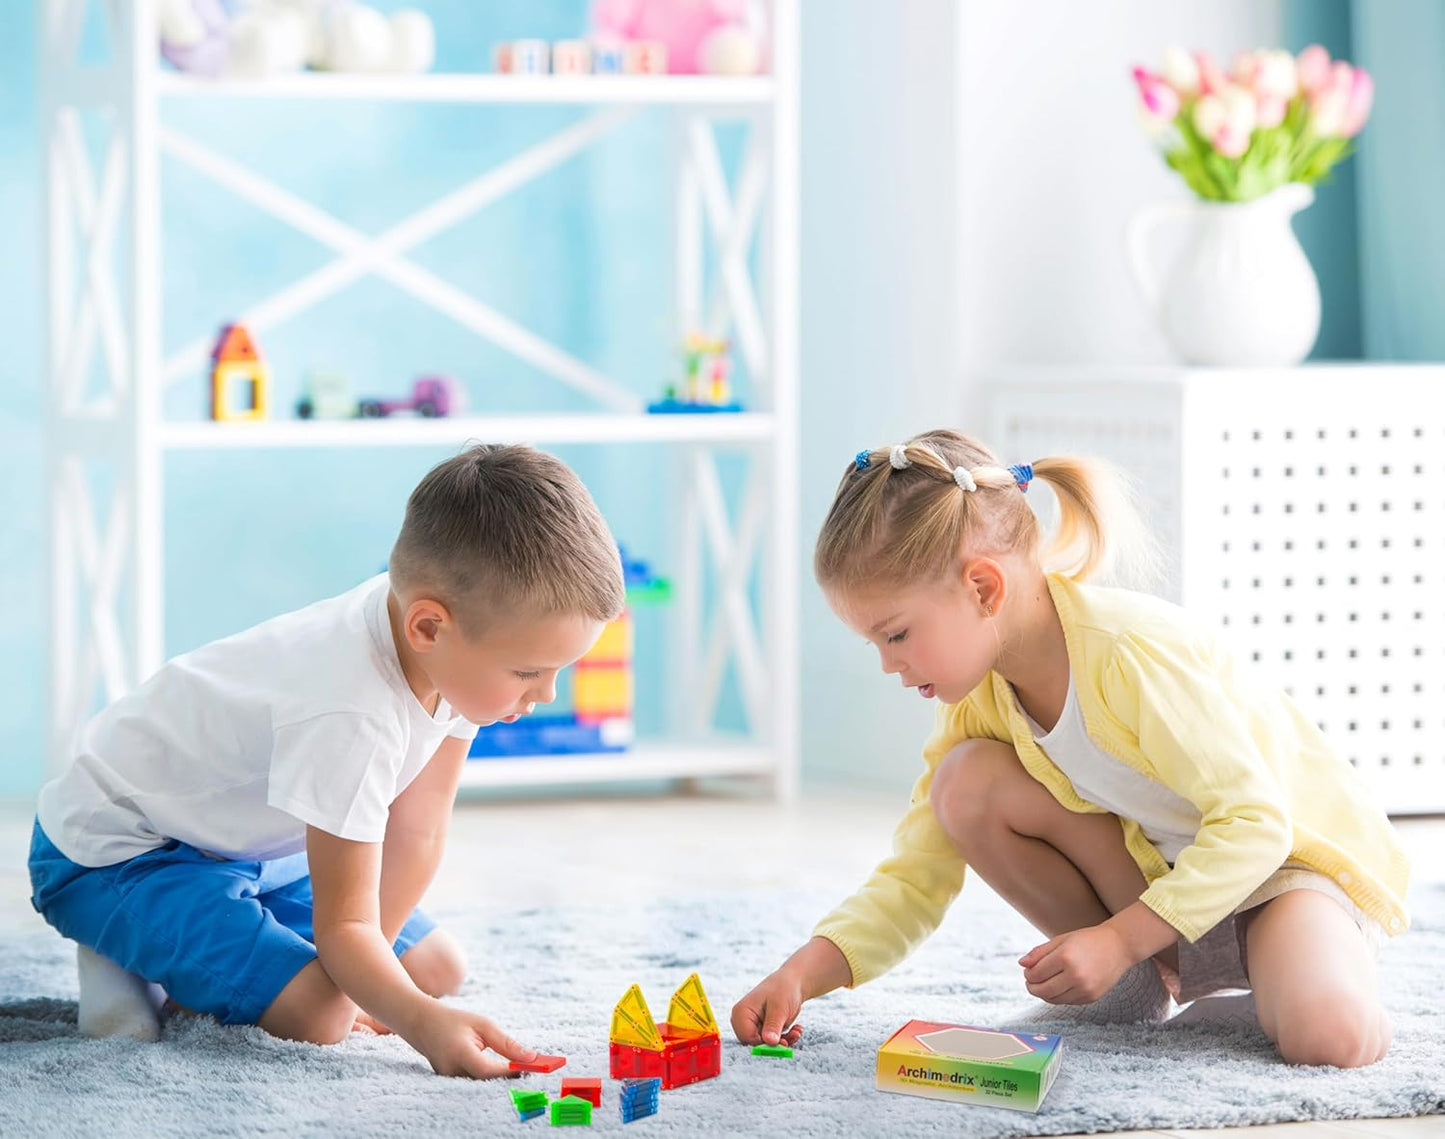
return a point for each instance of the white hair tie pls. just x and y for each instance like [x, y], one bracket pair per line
[898, 456]
[964, 480]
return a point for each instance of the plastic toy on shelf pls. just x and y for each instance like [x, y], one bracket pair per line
[683, 1049]
[237, 370]
[431, 396]
[706, 365]
[578, 57]
[602, 698]
[326, 396]
[702, 37]
[223, 39]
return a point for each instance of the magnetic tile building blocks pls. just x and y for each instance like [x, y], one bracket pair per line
[683, 1049]
[639, 1099]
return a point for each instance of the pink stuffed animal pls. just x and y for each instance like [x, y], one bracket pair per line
[701, 36]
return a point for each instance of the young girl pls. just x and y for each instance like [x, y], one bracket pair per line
[1099, 760]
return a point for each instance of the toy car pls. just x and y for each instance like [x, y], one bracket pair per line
[327, 396]
[431, 396]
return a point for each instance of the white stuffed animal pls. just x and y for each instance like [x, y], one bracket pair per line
[256, 38]
[343, 35]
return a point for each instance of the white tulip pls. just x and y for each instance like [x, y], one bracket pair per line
[1210, 115]
[1180, 70]
[1276, 75]
[1239, 108]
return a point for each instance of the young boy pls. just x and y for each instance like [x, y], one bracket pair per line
[249, 833]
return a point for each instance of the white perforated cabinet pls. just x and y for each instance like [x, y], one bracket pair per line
[1304, 510]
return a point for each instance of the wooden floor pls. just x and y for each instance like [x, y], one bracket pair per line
[827, 842]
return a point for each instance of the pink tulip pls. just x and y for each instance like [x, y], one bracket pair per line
[1313, 65]
[1358, 103]
[1212, 79]
[1230, 141]
[1161, 101]
[1227, 120]
[1329, 105]
[1245, 68]
[1271, 110]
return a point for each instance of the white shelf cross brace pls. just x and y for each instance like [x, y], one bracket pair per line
[383, 255]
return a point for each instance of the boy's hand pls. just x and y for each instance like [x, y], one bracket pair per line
[765, 1015]
[456, 1043]
[1076, 968]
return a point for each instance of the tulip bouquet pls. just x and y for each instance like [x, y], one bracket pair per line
[1272, 119]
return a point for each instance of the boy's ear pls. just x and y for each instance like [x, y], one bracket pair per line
[425, 619]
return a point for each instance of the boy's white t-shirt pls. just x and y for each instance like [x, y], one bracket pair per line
[235, 748]
[1169, 821]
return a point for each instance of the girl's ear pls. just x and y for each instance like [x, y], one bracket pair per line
[985, 585]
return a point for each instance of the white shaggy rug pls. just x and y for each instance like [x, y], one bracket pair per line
[551, 978]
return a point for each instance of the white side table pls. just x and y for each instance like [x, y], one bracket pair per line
[1304, 509]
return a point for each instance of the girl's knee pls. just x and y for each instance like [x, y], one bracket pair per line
[436, 964]
[1339, 1030]
[966, 786]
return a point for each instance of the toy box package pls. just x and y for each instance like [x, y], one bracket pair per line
[963, 1064]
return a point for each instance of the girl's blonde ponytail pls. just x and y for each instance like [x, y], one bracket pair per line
[1099, 533]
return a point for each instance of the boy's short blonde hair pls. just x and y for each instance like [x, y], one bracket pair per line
[507, 530]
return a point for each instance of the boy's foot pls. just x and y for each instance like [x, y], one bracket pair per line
[1139, 997]
[368, 1024]
[114, 1002]
[1235, 1009]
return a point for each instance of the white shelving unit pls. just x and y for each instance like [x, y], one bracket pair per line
[1300, 509]
[108, 448]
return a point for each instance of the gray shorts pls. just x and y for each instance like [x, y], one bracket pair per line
[1219, 959]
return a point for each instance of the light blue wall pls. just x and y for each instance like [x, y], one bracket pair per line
[1329, 230]
[579, 257]
[22, 493]
[1401, 171]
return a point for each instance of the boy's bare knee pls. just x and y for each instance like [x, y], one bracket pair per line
[328, 1023]
[436, 964]
[310, 1010]
[964, 791]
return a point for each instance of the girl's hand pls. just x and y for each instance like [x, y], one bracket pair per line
[765, 1015]
[1076, 968]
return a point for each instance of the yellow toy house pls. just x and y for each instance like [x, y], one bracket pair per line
[240, 380]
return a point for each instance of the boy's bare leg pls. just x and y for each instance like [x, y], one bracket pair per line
[312, 1009]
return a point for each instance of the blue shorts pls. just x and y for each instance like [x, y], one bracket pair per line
[222, 938]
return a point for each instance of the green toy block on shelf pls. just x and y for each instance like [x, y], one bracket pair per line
[779, 1051]
[571, 1111]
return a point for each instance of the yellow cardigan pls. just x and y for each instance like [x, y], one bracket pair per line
[1158, 693]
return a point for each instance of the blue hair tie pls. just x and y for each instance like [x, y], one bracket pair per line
[860, 460]
[1023, 475]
